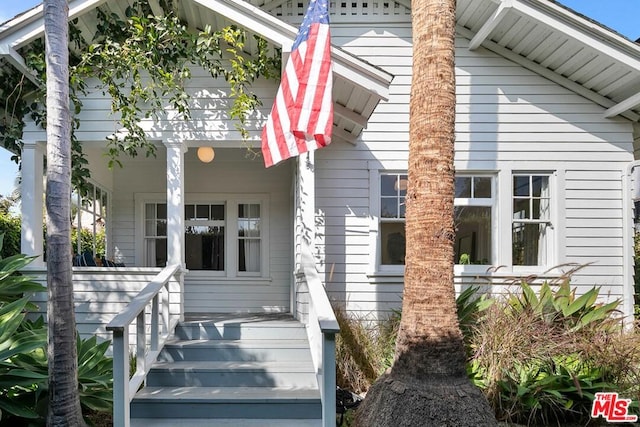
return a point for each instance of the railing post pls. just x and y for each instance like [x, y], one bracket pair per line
[166, 301]
[328, 380]
[121, 396]
[154, 322]
[141, 342]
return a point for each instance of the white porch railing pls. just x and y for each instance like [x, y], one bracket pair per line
[322, 328]
[312, 303]
[157, 297]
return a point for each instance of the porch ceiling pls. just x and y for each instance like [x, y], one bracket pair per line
[358, 85]
[561, 45]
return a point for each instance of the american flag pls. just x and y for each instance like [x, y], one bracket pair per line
[301, 119]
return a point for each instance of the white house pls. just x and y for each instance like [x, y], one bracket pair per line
[548, 103]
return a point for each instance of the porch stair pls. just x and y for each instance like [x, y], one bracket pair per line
[231, 370]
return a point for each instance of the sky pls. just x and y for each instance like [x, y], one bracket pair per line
[619, 15]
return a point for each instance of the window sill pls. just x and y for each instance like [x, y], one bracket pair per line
[478, 271]
[386, 277]
[217, 280]
[490, 272]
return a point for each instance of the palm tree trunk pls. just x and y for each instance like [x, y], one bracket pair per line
[64, 401]
[427, 385]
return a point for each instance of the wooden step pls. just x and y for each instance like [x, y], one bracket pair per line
[226, 327]
[224, 422]
[227, 402]
[239, 350]
[233, 373]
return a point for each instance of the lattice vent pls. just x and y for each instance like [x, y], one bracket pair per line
[346, 8]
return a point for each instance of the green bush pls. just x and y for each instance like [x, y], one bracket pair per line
[23, 356]
[86, 239]
[537, 357]
[10, 228]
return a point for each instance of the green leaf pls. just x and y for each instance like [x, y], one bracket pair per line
[598, 314]
[581, 303]
[17, 410]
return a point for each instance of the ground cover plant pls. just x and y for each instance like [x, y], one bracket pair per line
[23, 356]
[539, 353]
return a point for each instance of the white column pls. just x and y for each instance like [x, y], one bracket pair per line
[31, 191]
[175, 202]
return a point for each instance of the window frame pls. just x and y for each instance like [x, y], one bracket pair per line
[143, 228]
[80, 203]
[491, 203]
[378, 272]
[398, 219]
[231, 202]
[502, 220]
[551, 240]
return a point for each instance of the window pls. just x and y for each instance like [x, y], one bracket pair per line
[507, 222]
[249, 237]
[225, 237]
[393, 190]
[531, 226]
[90, 214]
[204, 236]
[155, 234]
[473, 217]
[475, 220]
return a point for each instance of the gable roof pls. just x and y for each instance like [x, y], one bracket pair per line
[358, 85]
[540, 35]
[561, 45]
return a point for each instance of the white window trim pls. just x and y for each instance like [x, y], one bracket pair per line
[140, 200]
[376, 271]
[231, 202]
[495, 229]
[502, 222]
[554, 224]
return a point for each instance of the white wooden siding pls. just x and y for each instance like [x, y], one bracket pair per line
[99, 294]
[508, 119]
[209, 108]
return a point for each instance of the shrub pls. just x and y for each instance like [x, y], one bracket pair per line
[86, 241]
[10, 229]
[23, 356]
[357, 358]
[540, 358]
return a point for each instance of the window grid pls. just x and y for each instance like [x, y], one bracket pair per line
[92, 214]
[393, 191]
[531, 224]
[473, 217]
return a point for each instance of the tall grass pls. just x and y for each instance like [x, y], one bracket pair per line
[363, 350]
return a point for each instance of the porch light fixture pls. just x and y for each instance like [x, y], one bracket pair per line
[206, 154]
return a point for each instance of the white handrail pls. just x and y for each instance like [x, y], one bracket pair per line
[124, 388]
[322, 325]
[322, 322]
[317, 293]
